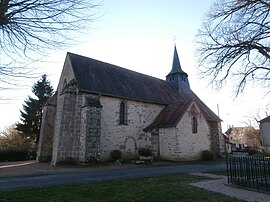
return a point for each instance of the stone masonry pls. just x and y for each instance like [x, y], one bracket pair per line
[86, 118]
[90, 130]
[179, 143]
[46, 132]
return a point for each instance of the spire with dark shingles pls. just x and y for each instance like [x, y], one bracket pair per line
[176, 67]
[177, 77]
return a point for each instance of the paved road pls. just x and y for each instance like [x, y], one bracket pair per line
[38, 181]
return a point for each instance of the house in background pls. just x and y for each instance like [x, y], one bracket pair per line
[227, 144]
[265, 133]
[99, 107]
[243, 137]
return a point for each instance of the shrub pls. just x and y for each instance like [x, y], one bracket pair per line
[145, 152]
[13, 155]
[15, 147]
[252, 152]
[207, 155]
[116, 155]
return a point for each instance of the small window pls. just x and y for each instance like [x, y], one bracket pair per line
[123, 113]
[194, 125]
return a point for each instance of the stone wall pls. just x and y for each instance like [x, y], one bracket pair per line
[80, 135]
[67, 125]
[44, 153]
[130, 137]
[90, 129]
[217, 141]
[180, 143]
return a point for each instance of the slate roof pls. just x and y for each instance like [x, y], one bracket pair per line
[208, 114]
[98, 77]
[103, 78]
[172, 113]
[267, 119]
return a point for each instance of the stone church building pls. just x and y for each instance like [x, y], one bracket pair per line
[100, 107]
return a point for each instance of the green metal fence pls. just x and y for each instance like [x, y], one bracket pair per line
[251, 172]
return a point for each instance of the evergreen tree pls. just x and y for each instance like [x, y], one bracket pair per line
[32, 109]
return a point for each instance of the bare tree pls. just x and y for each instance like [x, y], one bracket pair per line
[29, 29]
[254, 119]
[233, 43]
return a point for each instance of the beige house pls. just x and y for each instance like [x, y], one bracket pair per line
[265, 133]
[99, 107]
[243, 137]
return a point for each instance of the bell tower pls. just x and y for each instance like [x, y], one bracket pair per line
[177, 77]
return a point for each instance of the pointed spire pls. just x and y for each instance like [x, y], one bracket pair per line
[176, 67]
[177, 77]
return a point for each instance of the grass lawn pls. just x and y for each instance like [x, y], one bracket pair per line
[166, 188]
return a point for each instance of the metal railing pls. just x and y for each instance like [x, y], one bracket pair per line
[250, 172]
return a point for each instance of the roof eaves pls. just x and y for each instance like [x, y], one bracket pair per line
[122, 97]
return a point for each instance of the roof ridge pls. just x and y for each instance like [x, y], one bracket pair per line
[120, 82]
[117, 66]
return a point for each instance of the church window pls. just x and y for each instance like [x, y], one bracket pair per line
[194, 125]
[123, 113]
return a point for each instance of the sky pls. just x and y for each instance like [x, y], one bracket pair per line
[140, 35]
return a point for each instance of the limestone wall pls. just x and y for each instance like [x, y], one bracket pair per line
[127, 138]
[180, 143]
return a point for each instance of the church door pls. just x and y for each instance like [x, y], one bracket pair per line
[130, 148]
[155, 144]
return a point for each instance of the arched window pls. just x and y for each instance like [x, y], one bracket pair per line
[194, 125]
[123, 113]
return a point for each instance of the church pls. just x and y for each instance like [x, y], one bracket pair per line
[100, 107]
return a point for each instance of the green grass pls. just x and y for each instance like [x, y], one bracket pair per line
[167, 188]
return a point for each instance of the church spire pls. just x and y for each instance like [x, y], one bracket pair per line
[177, 77]
[176, 67]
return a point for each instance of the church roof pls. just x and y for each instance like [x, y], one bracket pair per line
[98, 77]
[267, 119]
[103, 78]
[172, 113]
[208, 114]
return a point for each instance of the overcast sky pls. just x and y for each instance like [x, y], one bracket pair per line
[139, 35]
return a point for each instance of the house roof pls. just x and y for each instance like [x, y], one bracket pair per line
[98, 77]
[103, 78]
[267, 119]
